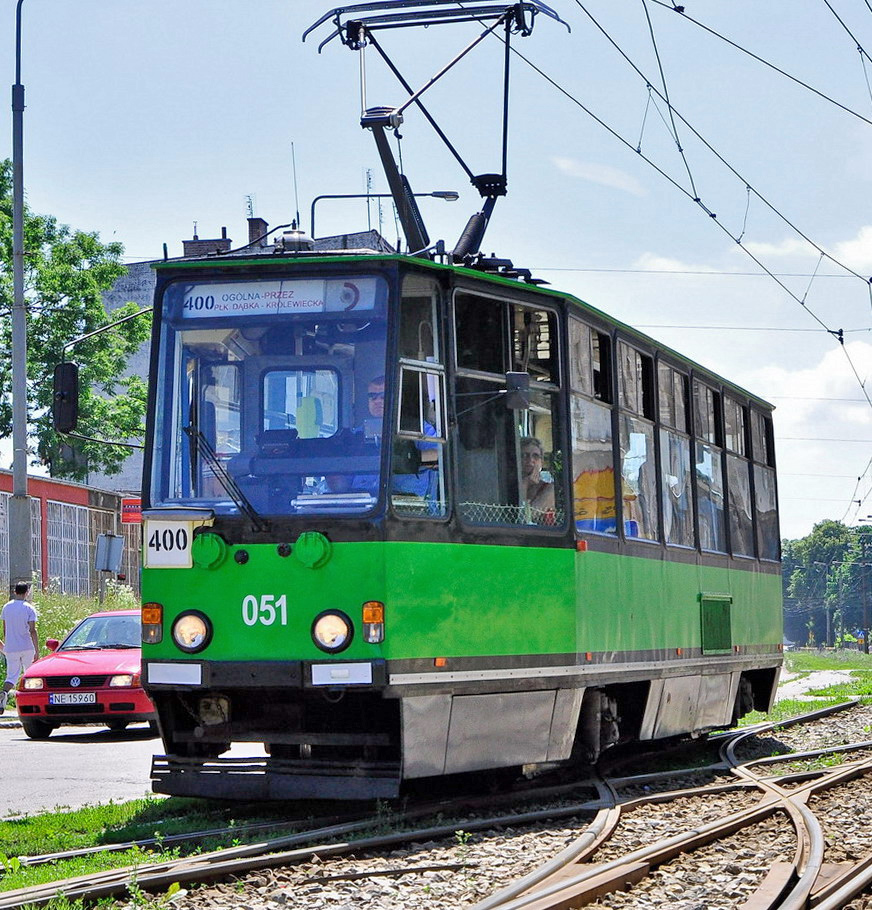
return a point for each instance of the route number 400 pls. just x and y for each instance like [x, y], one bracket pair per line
[264, 610]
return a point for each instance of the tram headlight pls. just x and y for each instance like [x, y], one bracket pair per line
[192, 631]
[332, 631]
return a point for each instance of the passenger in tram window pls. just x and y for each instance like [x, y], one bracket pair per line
[538, 491]
[414, 461]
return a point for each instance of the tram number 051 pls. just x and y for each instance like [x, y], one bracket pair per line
[168, 539]
[264, 610]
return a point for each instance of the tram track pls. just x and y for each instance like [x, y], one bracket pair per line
[764, 797]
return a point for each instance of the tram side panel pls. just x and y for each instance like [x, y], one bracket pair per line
[480, 640]
[688, 632]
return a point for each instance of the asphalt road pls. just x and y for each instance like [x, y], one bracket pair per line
[74, 767]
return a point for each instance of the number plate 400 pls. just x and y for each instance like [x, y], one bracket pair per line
[168, 544]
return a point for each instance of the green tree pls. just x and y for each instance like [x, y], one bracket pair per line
[66, 272]
[826, 570]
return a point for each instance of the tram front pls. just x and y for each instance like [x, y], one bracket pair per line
[263, 579]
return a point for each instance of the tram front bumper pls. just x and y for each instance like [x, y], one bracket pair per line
[191, 675]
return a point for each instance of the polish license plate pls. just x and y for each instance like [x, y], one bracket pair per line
[73, 698]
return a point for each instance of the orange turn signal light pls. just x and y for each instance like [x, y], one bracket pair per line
[440, 661]
[373, 611]
[152, 614]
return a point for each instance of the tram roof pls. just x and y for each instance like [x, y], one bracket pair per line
[371, 257]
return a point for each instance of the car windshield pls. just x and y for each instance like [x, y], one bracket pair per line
[97, 632]
[270, 396]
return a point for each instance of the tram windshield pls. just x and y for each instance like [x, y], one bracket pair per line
[270, 396]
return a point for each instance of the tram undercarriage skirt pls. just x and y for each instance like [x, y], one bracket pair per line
[268, 778]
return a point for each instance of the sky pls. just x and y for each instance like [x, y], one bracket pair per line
[145, 122]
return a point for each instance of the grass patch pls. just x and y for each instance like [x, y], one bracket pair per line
[858, 686]
[806, 661]
[29, 876]
[111, 823]
[787, 709]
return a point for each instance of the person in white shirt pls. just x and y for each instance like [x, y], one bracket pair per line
[19, 634]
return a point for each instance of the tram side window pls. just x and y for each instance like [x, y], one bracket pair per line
[419, 320]
[638, 466]
[676, 496]
[593, 467]
[768, 543]
[709, 468]
[738, 479]
[509, 461]
[418, 459]
[590, 361]
[534, 343]
[593, 463]
[480, 328]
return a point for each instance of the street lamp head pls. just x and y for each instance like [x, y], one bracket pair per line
[447, 195]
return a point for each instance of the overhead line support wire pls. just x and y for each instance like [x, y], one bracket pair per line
[753, 56]
[845, 27]
[666, 97]
[717, 154]
[699, 202]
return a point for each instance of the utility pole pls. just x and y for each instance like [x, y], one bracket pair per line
[20, 544]
[865, 572]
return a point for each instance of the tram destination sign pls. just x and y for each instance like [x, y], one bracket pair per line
[273, 297]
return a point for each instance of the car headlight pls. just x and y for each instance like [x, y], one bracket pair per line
[192, 631]
[34, 682]
[332, 631]
[122, 679]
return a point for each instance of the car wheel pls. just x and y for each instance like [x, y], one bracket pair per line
[37, 729]
[153, 727]
[116, 726]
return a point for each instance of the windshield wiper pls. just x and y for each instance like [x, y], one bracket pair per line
[201, 445]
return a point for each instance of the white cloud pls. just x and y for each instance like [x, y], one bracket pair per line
[651, 262]
[856, 253]
[601, 174]
[791, 246]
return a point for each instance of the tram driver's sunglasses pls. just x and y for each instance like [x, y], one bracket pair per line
[373, 396]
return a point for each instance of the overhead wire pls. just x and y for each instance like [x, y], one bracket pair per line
[666, 97]
[836, 333]
[762, 60]
[852, 36]
[860, 49]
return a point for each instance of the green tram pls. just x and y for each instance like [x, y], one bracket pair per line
[405, 519]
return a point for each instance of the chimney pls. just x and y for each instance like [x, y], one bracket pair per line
[198, 247]
[257, 227]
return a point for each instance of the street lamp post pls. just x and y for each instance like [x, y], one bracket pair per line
[20, 546]
[447, 195]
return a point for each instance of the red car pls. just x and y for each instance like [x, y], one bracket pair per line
[93, 677]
